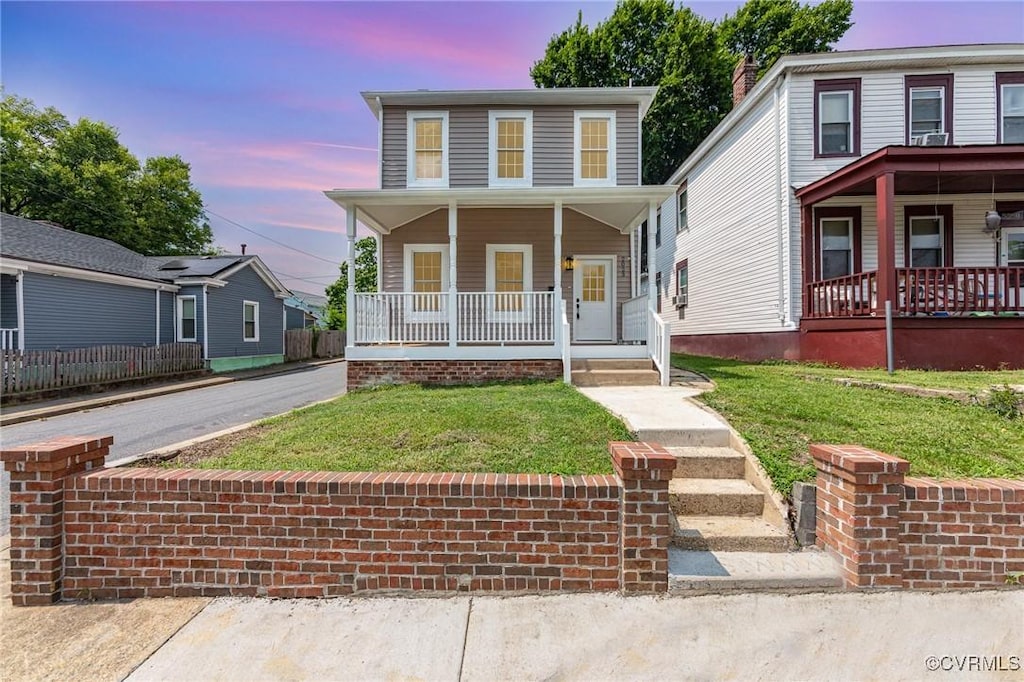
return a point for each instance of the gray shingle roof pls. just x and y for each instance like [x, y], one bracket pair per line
[44, 243]
[172, 267]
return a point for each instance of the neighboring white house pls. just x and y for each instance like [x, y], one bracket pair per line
[844, 180]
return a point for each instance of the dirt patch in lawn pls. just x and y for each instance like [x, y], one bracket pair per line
[188, 457]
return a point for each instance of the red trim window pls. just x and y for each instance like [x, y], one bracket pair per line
[928, 105]
[837, 250]
[928, 236]
[682, 295]
[837, 117]
[1010, 107]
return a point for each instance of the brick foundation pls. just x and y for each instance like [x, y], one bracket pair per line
[369, 373]
[890, 530]
[79, 531]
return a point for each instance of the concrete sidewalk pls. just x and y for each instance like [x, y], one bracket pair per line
[16, 414]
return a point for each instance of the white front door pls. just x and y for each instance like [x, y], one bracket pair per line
[594, 299]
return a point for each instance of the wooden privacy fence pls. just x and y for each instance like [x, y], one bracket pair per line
[303, 344]
[40, 370]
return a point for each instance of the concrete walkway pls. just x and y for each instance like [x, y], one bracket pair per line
[662, 414]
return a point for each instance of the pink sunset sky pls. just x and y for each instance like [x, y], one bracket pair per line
[262, 98]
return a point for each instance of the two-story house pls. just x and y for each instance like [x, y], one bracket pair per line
[503, 225]
[846, 184]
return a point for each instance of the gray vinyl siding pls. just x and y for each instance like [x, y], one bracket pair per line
[468, 140]
[479, 227]
[296, 318]
[225, 317]
[8, 302]
[166, 316]
[64, 313]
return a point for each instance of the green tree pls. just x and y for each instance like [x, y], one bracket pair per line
[691, 59]
[366, 281]
[79, 175]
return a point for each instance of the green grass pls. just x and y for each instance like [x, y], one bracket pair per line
[780, 413]
[511, 428]
[972, 382]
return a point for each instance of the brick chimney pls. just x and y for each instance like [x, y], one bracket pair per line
[744, 77]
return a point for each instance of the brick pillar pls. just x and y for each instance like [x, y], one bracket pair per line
[858, 499]
[644, 526]
[38, 473]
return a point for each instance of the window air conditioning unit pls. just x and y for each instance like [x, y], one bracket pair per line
[680, 300]
[930, 140]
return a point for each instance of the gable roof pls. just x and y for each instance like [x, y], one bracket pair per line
[935, 57]
[40, 242]
[174, 267]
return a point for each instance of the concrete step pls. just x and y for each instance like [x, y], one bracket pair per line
[708, 462]
[714, 497]
[612, 363]
[729, 534]
[615, 377]
[701, 572]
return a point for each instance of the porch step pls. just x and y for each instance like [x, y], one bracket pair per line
[612, 363]
[615, 377]
[694, 572]
[729, 534]
[708, 462]
[714, 497]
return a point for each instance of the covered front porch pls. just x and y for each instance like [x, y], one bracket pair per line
[932, 231]
[480, 275]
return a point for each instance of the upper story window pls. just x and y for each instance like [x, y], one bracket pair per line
[837, 117]
[510, 157]
[929, 105]
[428, 149]
[1010, 100]
[594, 148]
[681, 223]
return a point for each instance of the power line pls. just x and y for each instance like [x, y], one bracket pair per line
[210, 211]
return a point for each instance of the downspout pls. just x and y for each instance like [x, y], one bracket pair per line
[20, 289]
[206, 327]
[779, 189]
[380, 151]
[157, 317]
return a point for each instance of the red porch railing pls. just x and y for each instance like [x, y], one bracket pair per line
[921, 291]
[849, 296]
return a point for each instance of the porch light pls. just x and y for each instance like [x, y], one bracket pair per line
[992, 221]
[567, 264]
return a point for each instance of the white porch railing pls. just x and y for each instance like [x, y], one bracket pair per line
[634, 319]
[488, 317]
[480, 317]
[9, 339]
[659, 345]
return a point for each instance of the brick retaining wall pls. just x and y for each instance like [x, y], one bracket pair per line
[368, 373]
[81, 531]
[891, 530]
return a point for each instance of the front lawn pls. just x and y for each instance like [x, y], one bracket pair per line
[545, 428]
[972, 382]
[779, 413]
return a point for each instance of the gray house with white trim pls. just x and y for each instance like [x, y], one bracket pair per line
[61, 290]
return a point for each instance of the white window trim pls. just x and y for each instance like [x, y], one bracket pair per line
[179, 300]
[411, 314]
[410, 161]
[942, 237]
[849, 121]
[821, 243]
[1002, 110]
[492, 149]
[610, 181]
[526, 314]
[681, 222]
[942, 107]
[255, 319]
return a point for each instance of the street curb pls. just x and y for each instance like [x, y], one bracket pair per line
[93, 403]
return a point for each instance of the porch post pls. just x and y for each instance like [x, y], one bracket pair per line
[652, 226]
[350, 291]
[807, 262]
[20, 290]
[885, 195]
[453, 302]
[556, 296]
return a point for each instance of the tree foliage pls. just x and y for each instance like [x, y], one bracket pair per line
[691, 59]
[366, 281]
[80, 176]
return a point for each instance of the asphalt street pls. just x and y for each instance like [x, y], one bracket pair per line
[144, 425]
